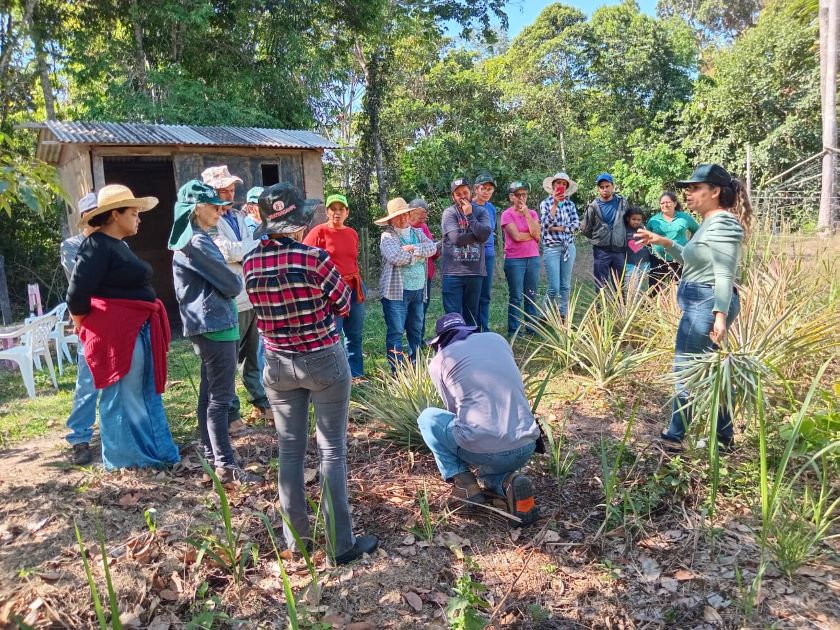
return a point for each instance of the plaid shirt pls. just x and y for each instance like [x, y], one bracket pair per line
[394, 257]
[296, 290]
[567, 216]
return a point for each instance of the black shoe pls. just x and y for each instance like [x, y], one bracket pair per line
[364, 544]
[669, 444]
[519, 493]
[81, 454]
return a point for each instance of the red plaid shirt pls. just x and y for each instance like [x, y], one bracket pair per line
[296, 290]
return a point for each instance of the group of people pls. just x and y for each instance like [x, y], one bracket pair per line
[254, 288]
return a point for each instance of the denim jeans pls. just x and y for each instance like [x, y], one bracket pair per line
[403, 317]
[82, 417]
[462, 294]
[608, 267]
[696, 302]
[426, 303]
[523, 276]
[352, 327]
[132, 420]
[249, 351]
[217, 389]
[559, 275]
[291, 381]
[436, 426]
[486, 290]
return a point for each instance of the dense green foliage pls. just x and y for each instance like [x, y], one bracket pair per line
[426, 91]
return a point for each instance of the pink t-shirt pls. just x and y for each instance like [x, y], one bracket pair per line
[519, 249]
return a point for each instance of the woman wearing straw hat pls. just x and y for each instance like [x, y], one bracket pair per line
[559, 221]
[403, 281]
[206, 288]
[125, 332]
[341, 242]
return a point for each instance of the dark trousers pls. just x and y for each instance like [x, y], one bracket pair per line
[608, 266]
[461, 294]
[215, 394]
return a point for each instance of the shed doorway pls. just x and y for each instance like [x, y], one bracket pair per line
[155, 177]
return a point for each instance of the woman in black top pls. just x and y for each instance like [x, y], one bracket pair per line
[125, 332]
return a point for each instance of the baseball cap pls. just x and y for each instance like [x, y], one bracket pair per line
[457, 183]
[604, 177]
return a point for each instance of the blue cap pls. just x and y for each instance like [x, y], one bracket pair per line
[602, 177]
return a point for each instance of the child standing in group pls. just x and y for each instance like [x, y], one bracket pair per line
[637, 264]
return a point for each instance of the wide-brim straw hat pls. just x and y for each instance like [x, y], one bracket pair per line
[396, 207]
[114, 196]
[548, 183]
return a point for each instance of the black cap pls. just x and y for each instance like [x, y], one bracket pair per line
[457, 183]
[713, 174]
[518, 185]
[485, 178]
[283, 209]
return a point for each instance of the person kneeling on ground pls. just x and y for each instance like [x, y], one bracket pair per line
[487, 422]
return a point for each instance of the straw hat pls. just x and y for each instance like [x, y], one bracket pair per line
[219, 177]
[396, 207]
[548, 183]
[114, 196]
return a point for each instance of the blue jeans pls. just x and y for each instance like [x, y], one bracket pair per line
[292, 381]
[486, 290]
[608, 267]
[559, 275]
[132, 420]
[352, 327]
[215, 393]
[436, 426]
[462, 294]
[81, 418]
[696, 301]
[523, 276]
[403, 317]
[426, 303]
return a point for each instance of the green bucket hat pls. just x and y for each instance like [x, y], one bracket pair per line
[191, 194]
[339, 198]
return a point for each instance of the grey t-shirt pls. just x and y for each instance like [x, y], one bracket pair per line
[479, 382]
[69, 249]
[463, 242]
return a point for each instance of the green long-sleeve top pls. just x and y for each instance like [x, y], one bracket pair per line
[712, 256]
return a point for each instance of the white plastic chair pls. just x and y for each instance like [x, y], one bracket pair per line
[34, 344]
[59, 336]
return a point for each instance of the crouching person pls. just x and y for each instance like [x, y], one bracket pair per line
[297, 292]
[487, 424]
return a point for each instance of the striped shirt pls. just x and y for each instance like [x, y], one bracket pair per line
[296, 291]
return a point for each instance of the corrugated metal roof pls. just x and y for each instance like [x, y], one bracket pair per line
[143, 134]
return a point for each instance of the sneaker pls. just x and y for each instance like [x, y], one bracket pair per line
[464, 486]
[81, 454]
[363, 545]
[669, 444]
[237, 475]
[519, 492]
[239, 428]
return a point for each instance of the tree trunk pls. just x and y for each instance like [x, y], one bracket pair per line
[139, 51]
[828, 76]
[374, 91]
[43, 68]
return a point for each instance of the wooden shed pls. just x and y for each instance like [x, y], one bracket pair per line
[157, 159]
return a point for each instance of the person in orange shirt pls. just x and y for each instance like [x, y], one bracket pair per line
[341, 242]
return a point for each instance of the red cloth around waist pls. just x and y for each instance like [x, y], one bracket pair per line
[109, 332]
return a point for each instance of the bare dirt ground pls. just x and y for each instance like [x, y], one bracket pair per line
[664, 567]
